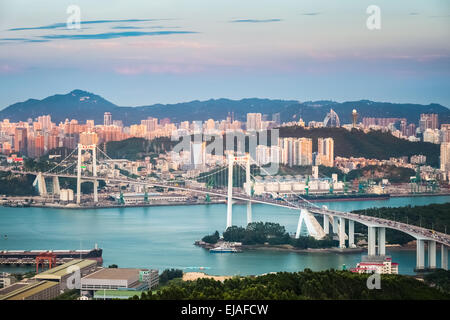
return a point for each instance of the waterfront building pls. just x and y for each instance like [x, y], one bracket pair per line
[120, 279]
[376, 264]
[36, 290]
[61, 274]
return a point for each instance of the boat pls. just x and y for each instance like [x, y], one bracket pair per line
[8, 257]
[223, 250]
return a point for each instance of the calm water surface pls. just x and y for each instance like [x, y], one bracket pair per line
[162, 237]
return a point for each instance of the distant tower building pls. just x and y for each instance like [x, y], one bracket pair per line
[428, 121]
[254, 121]
[331, 120]
[107, 119]
[354, 117]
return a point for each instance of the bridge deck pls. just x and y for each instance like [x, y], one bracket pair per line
[415, 231]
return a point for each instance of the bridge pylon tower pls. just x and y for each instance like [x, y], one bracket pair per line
[248, 188]
[81, 148]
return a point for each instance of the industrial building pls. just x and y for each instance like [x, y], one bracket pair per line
[60, 274]
[120, 279]
[38, 290]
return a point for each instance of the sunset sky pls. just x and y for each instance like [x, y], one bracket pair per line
[166, 51]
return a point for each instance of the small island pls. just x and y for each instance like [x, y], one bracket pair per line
[266, 235]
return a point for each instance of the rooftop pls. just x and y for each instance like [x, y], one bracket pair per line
[60, 271]
[28, 290]
[114, 273]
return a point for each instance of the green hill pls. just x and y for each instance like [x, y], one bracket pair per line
[373, 145]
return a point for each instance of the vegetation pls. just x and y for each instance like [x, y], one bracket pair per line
[16, 185]
[439, 279]
[69, 295]
[329, 284]
[138, 148]
[212, 238]
[392, 173]
[273, 234]
[372, 145]
[169, 274]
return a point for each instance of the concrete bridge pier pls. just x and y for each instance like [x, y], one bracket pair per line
[249, 189]
[94, 169]
[371, 239]
[42, 188]
[420, 254]
[326, 224]
[341, 233]
[335, 225]
[230, 191]
[381, 241]
[444, 257]
[432, 254]
[56, 187]
[351, 234]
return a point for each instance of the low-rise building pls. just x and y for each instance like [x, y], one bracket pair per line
[120, 279]
[37, 290]
[376, 264]
[61, 274]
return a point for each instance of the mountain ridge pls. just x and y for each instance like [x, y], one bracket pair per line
[83, 105]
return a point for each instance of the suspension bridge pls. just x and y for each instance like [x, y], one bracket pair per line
[341, 223]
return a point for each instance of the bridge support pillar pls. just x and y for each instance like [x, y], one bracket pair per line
[56, 187]
[371, 234]
[432, 254]
[444, 257]
[351, 234]
[299, 225]
[94, 169]
[335, 225]
[341, 233]
[420, 256]
[381, 241]
[79, 175]
[326, 224]
[41, 185]
[249, 189]
[230, 191]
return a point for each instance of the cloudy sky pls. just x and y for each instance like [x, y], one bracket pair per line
[166, 51]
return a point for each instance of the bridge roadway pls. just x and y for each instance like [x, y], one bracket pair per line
[415, 231]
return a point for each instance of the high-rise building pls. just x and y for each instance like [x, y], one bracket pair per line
[254, 121]
[20, 140]
[304, 152]
[428, 121]
[445, 156]
[107, 119]
[198, 154]
[325, 150]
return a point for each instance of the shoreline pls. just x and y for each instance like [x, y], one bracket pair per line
[138, 205]
[290, 248]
